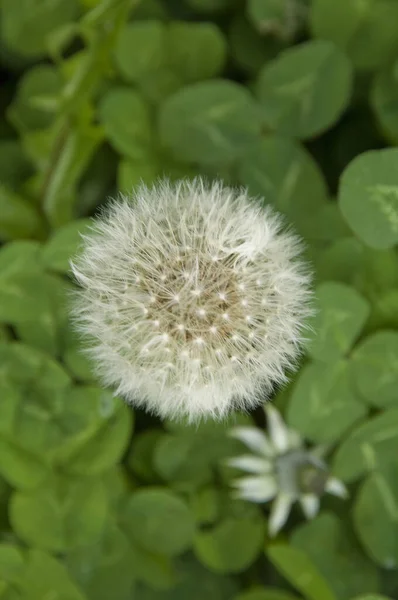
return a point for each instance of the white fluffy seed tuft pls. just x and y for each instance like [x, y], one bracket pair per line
[193, 298]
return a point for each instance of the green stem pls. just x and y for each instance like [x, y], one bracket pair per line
[99, 27]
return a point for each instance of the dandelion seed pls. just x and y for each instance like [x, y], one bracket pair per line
[188, 225]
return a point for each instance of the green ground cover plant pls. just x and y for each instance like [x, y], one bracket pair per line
[295, 100]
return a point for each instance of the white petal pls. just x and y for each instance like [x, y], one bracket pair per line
[310, 505]
[336, 487]
[256, 489]
[278, 431]
[251, 464]
[254, 438]
[279, 513]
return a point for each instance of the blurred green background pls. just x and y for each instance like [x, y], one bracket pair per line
[296, 100]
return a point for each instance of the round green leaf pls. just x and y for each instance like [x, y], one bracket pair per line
[44, 330]
[211, 122]
[140, 49]
[27, 297]
[197, 50]
[178, 458]
[159, 85]
[30, 385]
[37, 378]
[376, 516]
[131, 173]
[285, 175]
[38, 383]
[325, 225]
[386, 310]
[375, 368]
[8, 592]
[335, 552]
[11, 563]
[342, 261]
[19, 257]
[265, 593]
[61, 514]
[63, 244]
[371, 597]
[140, 456]
[26, 25]
[305, 90]
[84, 429]
[368, 197]
[231, 546]
[341, 313]
[25, 366]
[151, 9]
[112, 579]
[37, 145]
[159, 521]
[169, 55]
[46, 577]
[188, 461]
[206, 505]
[249, 48]
[118, 486]
[106, 445]
[213, 444]
[369, 446]
[384, 99]
[42, 81]
[193, 582]
[14, 164]
[105, 569]
[283, 19]
[19, 218]
[127, 123]
[322, 406]
[379, 272]
[152, 568]
[300, 571]
[366, 31]
[21, 468]
[75, 359]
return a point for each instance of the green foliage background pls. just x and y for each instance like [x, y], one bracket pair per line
[296, 100]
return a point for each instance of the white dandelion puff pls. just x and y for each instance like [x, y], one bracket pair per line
[193, 297]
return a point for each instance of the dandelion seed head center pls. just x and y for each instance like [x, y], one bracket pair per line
[197, 303]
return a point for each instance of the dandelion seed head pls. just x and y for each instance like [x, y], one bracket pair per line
[172, 271]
